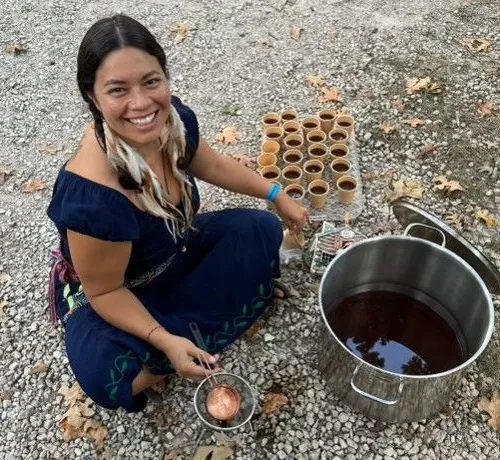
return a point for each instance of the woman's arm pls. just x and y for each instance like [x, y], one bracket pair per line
[100, 266]
[229, 174]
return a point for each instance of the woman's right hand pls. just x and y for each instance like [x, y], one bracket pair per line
[182, 353]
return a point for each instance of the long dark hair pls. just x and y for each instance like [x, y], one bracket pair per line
[103, 37]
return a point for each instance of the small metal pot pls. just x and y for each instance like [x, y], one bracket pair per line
[421, 269]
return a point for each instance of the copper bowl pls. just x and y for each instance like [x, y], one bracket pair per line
[223, 402]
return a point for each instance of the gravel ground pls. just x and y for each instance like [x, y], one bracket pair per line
[241, 56]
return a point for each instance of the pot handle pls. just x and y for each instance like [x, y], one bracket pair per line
[418, 224]
[387, 402]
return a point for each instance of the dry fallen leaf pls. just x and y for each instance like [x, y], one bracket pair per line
[224, 440]
[4, 174]
[416, 85]
[16, 50]
[455, 220]
[427, 150]
[253, 329]
[398, 105]
[95, 431]
[476, 44]
[181, 32]
[39, 368]
[492, 406]
[213, 453]
[387, 128]
[51, 150]
[76, 421]
[487, 109]
[274, 402]
[315, 80]
[245, 160]
[174, 455]
[369, 176]
[228, 136]
[330, 95]
[5, 278]
[33, 186]
[448, 186]
[488, 220]
[3, 304]
[400, 189]
[71, 394]
[414, 122]
[296, 32]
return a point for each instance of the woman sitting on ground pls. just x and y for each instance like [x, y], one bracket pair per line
[137, 266]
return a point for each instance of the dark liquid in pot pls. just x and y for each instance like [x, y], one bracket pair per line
[273, 135]
[293, 142]
[338, 136]
[338, 153]
[318, 152]
[316, 138]
[270, 175]
[397, 333]
[310, 125]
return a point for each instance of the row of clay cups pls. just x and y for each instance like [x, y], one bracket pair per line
[313, 170]
[326, 120]
[297, 141]
[269, 154]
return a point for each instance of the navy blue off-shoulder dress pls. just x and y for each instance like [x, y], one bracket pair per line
[219, 275]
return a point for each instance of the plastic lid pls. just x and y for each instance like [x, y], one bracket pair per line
[408, 213]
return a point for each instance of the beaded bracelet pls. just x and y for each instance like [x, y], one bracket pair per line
[273, 193]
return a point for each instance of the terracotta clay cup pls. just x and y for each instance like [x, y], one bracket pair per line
[316, 136]
[274, 133]
[288, 115]
[273, 173]
[293, 157]
[338, 136]
[346, 189]
[327, 119]
[296, 192]
[270, 119]
[310, 124]
[345, 122]
[339, 151]
[266, 159]
[294, 141]
[291, 174]
[318, 192]
[340, 167]
[313, 169]
[292, 127]
[318, 152]
[270, 147]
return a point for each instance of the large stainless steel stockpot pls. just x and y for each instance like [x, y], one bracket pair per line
[428, 272]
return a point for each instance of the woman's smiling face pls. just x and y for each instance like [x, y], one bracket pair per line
[133, 95]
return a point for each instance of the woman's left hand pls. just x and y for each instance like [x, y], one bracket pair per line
[294, 215]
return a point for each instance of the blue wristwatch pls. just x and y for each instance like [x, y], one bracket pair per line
[273, 193]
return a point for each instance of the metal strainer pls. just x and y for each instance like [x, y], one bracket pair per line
[224, 402]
